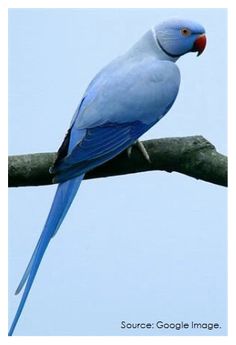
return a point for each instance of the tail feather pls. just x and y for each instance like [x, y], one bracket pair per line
[63, 198]
[28, 269]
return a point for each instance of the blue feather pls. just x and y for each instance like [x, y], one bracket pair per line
[63, 198]
[99, 145]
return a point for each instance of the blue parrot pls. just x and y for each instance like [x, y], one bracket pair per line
[122, 102]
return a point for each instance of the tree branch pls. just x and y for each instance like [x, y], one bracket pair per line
[193, 156]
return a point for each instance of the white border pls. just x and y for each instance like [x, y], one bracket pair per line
[4, 6]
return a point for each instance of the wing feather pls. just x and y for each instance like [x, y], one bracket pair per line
[97, 146]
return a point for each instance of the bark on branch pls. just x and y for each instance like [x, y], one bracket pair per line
[193, 156]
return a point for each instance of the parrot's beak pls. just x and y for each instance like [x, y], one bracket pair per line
[200, 44]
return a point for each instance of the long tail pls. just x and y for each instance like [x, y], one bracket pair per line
[62, 200]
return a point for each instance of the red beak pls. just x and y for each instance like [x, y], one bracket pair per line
[199, 44]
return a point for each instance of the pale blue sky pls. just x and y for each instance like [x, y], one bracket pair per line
[139, 248]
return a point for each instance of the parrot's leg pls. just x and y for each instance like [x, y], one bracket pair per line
[141, 148]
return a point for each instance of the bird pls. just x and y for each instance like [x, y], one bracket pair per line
[123, 101]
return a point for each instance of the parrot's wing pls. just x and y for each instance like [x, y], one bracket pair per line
[115, 112]
[98, 145]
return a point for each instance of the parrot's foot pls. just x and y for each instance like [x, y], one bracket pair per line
[141, 148]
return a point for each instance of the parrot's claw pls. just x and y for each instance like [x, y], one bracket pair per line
[141, 148]
[129, 150]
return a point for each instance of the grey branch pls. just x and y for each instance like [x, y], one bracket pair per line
[193, 156]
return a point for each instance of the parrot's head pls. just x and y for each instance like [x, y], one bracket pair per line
[177, 37]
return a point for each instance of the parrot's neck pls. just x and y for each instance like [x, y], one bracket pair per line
[148, 45]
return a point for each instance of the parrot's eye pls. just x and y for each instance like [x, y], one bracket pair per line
[185, 32]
